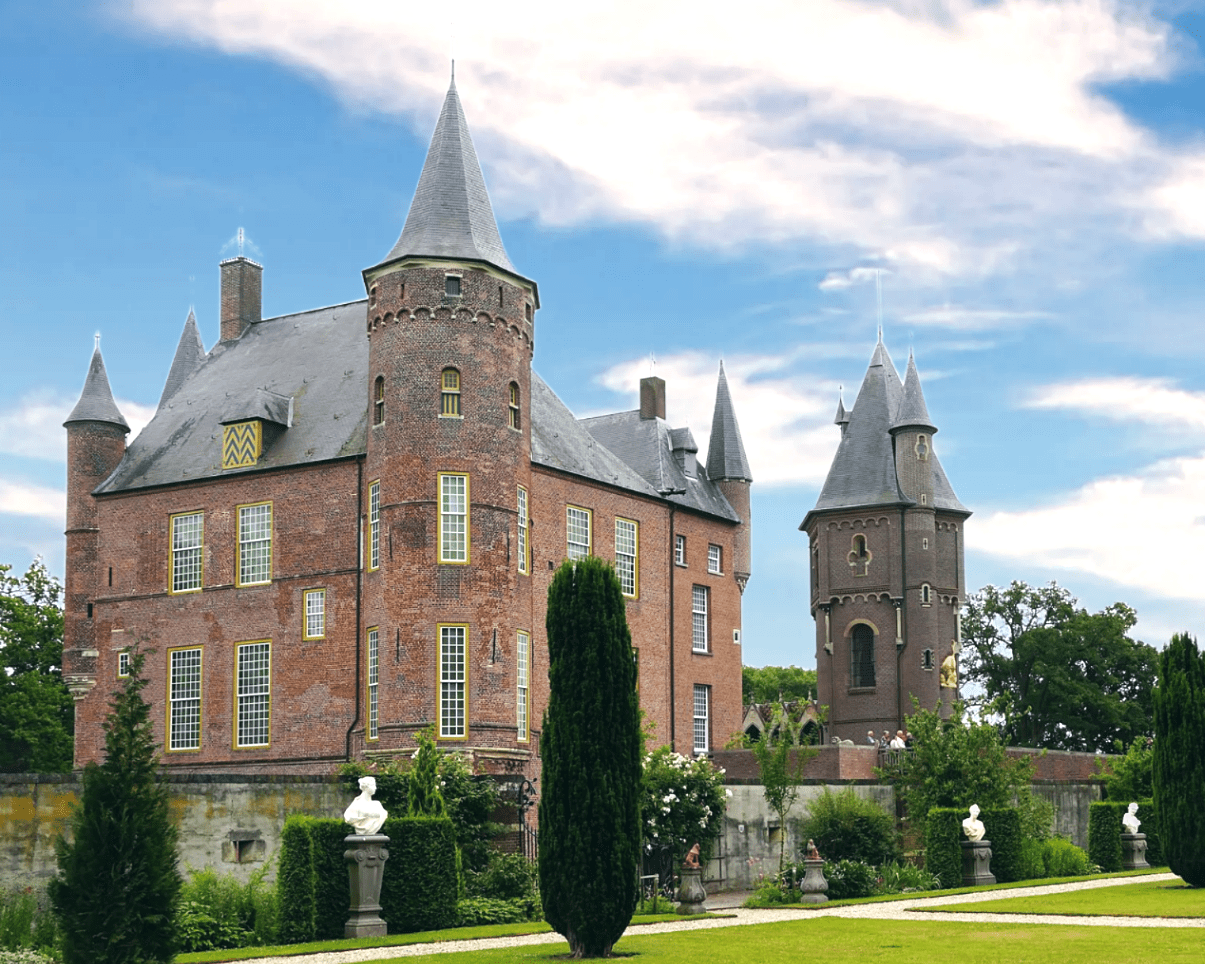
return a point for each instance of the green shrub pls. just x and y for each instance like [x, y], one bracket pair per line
[1062, 858]
[1177, 776]
[25, 956]
[655, 905]
[943, 855]
[332, 891]
[771, 895]
[420, 888]
[295, 881]
[846, 826]
[1104, 834]
[1033, 867]
[1002, 826]
[25, 922]
[850, 878]
[475, 911]
[508, 877]
[197, 929]
[901, 877]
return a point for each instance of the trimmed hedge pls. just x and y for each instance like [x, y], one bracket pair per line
[1002, 826]
[420, 885]
[943, 855]
[1104, 833]
[295, 881]
[332, 888]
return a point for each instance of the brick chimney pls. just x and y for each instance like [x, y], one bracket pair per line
[242, 296]
[652, 397]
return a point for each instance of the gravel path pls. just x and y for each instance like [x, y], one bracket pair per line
[891, 910]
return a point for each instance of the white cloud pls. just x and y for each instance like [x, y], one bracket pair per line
[34, 428]
[33, 500]
[786, 423]
[973, 319]
[836, 280]
[1151, 400]
[943, 135]
[1144, 530]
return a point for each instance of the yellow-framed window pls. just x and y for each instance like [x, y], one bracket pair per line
[453, 710]
[577, 532]
[524, 550]
[378, 401]
[253, 694]
[255, 544]
[454, 518]
[627, 556]
[374, 670]
[374, 525]
[449, 393]
[523, 690]
[184, 699]
[515, 419]
[314, 607]
[186, 564]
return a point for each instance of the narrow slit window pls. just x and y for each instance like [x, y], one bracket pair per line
[524, 560]
[374, 667]
[523, 675]
[374, 525]
[514, 417]
[378, 401]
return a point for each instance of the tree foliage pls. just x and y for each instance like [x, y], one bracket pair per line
[424, 798]
[1178, 765]
[119, 880]
[1128, 778]
[1060, 677]
[772, 684]
[589, 812]
[36, 711]
[780, 765]
[683, 803]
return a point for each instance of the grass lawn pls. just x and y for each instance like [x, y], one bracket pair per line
[1167, 898]
[834, 941]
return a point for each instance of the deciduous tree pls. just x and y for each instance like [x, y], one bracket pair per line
[766, 684]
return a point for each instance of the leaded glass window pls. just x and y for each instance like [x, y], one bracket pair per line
[254, 685]
[188, 535]
[255, 544]
[184, 699]
[452, 682]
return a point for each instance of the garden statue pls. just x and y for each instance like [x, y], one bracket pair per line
[972, 826]
[1130, 820]
[364, 813]
[811, 853]
[691, 893]
[813, 887]
[949, 672]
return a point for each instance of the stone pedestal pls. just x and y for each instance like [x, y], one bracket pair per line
[691, 894]
[814, 886]
[1133, 851]
[365, 858]
[977, 863]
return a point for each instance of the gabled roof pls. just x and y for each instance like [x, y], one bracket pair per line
[726, 452]
[96, 400]
[189, 355]
[912, 411]
[450, 215]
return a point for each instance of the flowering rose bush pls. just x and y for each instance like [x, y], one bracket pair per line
[683, 803]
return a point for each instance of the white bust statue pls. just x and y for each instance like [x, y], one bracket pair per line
[364, 813]
[1130, 820]
[972, 826]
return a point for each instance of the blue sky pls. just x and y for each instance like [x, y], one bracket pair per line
[1026, 179]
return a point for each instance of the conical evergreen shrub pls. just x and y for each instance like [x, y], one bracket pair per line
[119, 880]
[590, 802]
[1178, 763]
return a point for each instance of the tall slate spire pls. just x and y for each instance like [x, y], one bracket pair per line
[450, 216]
[726, 452]
[189, 355]
[96, 400]
[912, 411]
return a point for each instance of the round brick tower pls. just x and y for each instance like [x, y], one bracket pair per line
[447, 603]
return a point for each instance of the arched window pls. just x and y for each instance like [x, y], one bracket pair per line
[926, 594]
[922, 448]
[859, 556]
[514, 406]
[449, 393]
[378, 401]
[861, 671]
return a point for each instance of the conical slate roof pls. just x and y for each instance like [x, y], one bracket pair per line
[189, 355]
[912, 410]
[96, 400]
[726, 452]
[450, 216]
[842, 416]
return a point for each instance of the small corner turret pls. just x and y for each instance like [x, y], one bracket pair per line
[728, 467]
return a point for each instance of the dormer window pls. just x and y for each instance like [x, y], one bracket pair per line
[452, 286]
[241, 444]
[449, 393]
[378, 401]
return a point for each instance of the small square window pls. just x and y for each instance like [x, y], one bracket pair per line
[715, 558]
[452, 286]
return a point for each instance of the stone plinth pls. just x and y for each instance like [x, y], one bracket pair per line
[365, 856]
[691, 893]
[813, 886]
[1133, 851]
[977, 863]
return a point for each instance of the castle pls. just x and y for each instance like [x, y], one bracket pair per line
[887, 561]
[340, 525]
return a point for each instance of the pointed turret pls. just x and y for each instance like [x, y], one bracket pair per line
[96, 400]
[190, 352]
[912, 411]
[726, 452]
[842, 416]
[450, 216]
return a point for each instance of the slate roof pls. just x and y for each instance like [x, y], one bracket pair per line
[863, 470]
[96, 400]
[450, 215]
[189, 355]
[726, 452]
[912, 411]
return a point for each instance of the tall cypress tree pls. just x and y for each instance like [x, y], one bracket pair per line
[1178, 763]
[119, 879]
[590, 746]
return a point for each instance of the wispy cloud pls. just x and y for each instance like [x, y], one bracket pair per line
[838, 280]
[33, 500]
[1154, 401]
[34, 428]
[833, 121]
[961, 318]
[786, 422]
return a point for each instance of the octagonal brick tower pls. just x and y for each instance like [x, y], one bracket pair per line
[448, 466]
